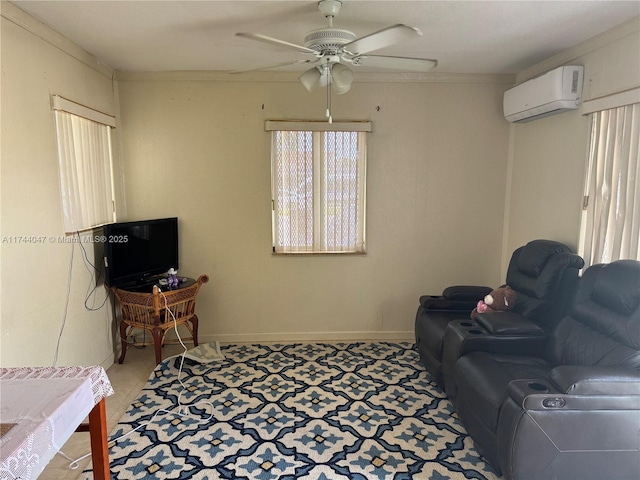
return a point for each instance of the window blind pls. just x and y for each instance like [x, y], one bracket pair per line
[85, 166]
[319, 187]
[610, 228]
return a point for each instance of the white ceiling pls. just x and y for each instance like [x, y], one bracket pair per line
[502, 37]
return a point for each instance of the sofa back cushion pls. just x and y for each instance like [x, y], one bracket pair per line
[543, 274]
[603, 327]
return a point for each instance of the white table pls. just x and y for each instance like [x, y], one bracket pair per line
[41, 407]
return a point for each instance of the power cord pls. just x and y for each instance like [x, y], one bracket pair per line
[66, 308]
[182, 408]
[96, 274]
[182, 356]
[89, 292]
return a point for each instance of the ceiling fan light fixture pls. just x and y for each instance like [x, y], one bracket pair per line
[341, 76]
[339, 90]
[324, 79]
[311, 78]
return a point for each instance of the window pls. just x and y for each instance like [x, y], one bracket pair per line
[318, 186]
[611, 216]
[85, 166]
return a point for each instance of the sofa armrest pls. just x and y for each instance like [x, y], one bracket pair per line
[459, 298]
[508, 323]
[463, 336]
[467, 293]
[577, 387]
[595, 380]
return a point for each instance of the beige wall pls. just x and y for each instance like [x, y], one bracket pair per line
[549, 154]
[34, 275]
[442, 162]
[194, 146]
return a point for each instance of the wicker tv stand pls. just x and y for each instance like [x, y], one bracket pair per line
[155, 312]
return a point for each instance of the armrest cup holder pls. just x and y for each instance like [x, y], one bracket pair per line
[538, 387]
[520, 389]
[468, 324]
[475, 331]
[467, 328]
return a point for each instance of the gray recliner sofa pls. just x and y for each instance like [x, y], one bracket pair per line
[567, 407]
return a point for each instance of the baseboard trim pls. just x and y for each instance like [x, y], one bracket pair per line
[109, 361]
[288, 337]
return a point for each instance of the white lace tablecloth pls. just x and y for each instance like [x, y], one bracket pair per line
[40, 408]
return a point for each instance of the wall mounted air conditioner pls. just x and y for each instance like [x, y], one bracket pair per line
[554, 92]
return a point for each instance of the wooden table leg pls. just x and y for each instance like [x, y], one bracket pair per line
[158, 336]
[194, 323]
[123, 339]
[99, 444]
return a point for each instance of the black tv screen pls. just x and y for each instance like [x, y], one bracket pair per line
[136, 251]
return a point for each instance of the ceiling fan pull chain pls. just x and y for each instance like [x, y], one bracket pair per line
[328, 72]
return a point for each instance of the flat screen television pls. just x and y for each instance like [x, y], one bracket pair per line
[135, 252]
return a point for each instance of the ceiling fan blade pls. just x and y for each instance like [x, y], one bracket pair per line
[276, 42]
[380, 39]
[284, 64]
[398, 63]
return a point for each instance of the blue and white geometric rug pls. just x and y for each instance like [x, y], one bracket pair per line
[297, 411]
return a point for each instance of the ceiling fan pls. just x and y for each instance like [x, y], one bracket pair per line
[333, 49]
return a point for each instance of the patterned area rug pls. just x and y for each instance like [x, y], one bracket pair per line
[296, 411]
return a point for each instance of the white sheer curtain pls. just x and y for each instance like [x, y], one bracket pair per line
[611, 219]
[85, 167]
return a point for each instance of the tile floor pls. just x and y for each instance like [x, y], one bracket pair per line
[127, 381]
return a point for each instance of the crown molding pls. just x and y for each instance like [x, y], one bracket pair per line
[276, 77]
[22, 19]
[435, 77]
[571, 54]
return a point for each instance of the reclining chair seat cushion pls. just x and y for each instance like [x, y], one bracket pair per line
[485, 391]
